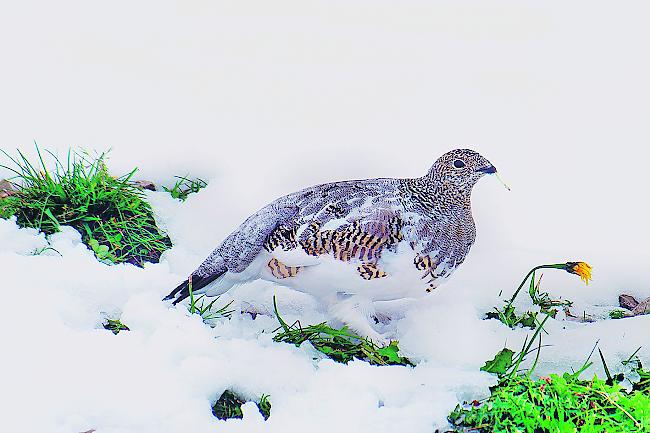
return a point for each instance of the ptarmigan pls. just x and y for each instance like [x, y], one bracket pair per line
[354, 243]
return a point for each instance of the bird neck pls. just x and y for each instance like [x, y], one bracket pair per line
[438, 195]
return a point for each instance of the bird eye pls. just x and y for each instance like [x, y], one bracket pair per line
[459, 164]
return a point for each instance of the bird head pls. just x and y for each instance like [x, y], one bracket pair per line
[461, 169]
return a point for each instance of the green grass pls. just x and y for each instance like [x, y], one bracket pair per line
[264, 406]
[229, 406]
[341, 345]
[616, 314]
[185, 186]
[114, 220]
[558, 403]
[207, 310]
[509, 317]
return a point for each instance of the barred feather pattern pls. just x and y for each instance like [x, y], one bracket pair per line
[357, 220]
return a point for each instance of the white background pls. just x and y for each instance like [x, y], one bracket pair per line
[269, 97]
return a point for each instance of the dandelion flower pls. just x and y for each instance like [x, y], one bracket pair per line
[581, 269]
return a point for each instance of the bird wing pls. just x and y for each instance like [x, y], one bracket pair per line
[353, 219]
[240, 247]
[292, 219]
[238, 250]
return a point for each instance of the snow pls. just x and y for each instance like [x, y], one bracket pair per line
[262, 99]
[163, 375]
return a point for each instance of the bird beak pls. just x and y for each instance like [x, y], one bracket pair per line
[489, 169]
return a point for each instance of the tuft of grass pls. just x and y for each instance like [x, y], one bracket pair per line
[557, 403]
[42, 250]
[341, 345]
[616, 314]
[114, 220]
[115, 326]
[229, 405]
[207, 311]
[185, 186]
[264, 406]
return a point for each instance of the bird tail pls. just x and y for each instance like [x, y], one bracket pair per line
[195, 282]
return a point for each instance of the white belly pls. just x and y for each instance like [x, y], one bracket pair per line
[325, 277]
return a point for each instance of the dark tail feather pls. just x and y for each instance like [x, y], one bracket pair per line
[182, 291]
[182, 286]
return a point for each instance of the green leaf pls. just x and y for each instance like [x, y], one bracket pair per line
[341, 345]
[390, 352]
[55, 221]
[325, 349]
[115, 326]
[500, 363]
[616, 314]
[528, 319]
[531, 288]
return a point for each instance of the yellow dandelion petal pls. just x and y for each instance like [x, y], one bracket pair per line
[583, 270]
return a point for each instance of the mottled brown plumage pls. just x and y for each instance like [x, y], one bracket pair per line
[355, 241]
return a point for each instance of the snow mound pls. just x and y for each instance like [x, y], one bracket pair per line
[164, 374]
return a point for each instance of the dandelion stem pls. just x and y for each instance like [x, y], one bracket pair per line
[532, 271]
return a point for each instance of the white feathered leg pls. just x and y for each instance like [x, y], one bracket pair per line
[392, 310]
[356, 312]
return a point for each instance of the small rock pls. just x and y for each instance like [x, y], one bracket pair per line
[145, 184]
[642, 308]
[627, 301]
[6, 188]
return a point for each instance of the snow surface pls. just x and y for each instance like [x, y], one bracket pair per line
[263, 98]
[61, 372]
